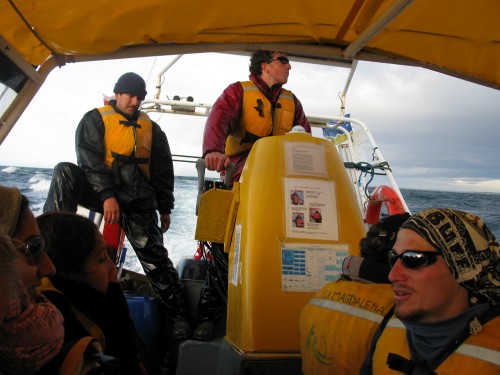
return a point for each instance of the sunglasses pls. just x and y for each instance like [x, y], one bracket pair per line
[282, 59]
[413, 259]
[33, 249]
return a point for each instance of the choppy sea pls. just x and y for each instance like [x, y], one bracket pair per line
[34, 184]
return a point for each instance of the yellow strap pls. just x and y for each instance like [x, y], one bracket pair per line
[74, 360]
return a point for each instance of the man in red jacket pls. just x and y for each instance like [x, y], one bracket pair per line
[248, 111]
[245, 112]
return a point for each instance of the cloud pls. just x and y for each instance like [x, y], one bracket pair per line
[436, 131]
[478, 185]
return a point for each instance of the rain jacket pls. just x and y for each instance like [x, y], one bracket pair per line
[133, 189]
[225, 116]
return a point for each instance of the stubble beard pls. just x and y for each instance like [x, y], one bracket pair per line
[412, 316]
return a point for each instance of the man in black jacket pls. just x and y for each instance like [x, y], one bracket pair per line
[125, 171]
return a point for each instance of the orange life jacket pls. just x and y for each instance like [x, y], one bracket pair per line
[127, 141]
[259, 119]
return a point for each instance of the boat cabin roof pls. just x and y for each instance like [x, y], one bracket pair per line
[456, 37]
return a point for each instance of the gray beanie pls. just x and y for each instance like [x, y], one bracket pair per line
[131, 83]
[10, 206]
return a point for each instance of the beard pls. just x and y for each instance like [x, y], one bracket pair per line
[411, 316]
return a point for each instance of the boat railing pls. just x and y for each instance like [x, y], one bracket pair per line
[358, 149]
[179, 106]
[354, 148]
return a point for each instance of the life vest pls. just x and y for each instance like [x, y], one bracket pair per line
[260, 119]
[122, 137]
[337, 324]
[478, 354]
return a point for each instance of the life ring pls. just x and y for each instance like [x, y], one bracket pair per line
[389, 197]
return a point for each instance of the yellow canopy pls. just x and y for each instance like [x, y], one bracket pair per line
[457, 37]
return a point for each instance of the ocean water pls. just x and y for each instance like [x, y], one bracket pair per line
[179, 239]
[34, 183]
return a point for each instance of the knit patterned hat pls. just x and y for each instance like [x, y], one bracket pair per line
[131, 83]
[468, 247]
[10, 205]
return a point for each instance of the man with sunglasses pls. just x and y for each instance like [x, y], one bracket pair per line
[446, 282]
[250, 110]
[245, 112]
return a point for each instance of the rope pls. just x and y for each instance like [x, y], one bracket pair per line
[368, 168]
[151, 70]
[218, 267]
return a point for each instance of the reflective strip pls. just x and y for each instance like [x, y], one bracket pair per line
[143, 116]
[473, 351]
[347, 309]
[479, 352]
[108, 112]
[395, 323]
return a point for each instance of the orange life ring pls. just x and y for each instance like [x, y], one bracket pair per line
[391, 200]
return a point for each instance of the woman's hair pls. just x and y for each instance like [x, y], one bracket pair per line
[259, 57]
[69, 240]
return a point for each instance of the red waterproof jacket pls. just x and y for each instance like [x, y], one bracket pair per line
[225, 115]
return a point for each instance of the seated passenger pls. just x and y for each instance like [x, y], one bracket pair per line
[335, 323]
[31, 333]
[86, 290]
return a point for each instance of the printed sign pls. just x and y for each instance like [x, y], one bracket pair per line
[307, 267]
[310, 209]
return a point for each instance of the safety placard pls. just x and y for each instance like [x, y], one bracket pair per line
[307, 267]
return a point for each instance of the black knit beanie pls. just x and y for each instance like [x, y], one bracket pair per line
[131, 83]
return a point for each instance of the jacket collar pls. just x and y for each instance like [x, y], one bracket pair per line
[272, 93]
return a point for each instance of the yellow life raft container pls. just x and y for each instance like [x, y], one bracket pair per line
[276, 261]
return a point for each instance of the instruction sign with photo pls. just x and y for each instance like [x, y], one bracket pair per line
[307, 267]
[310, 209]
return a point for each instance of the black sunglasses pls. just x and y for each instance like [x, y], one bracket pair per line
[282, 59]
[413, 259]
[33, 249]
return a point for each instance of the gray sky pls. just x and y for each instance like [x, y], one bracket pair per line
[436, 132]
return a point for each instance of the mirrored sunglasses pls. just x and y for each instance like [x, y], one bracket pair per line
[33, 249]
[282, 59]
[413, 259]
